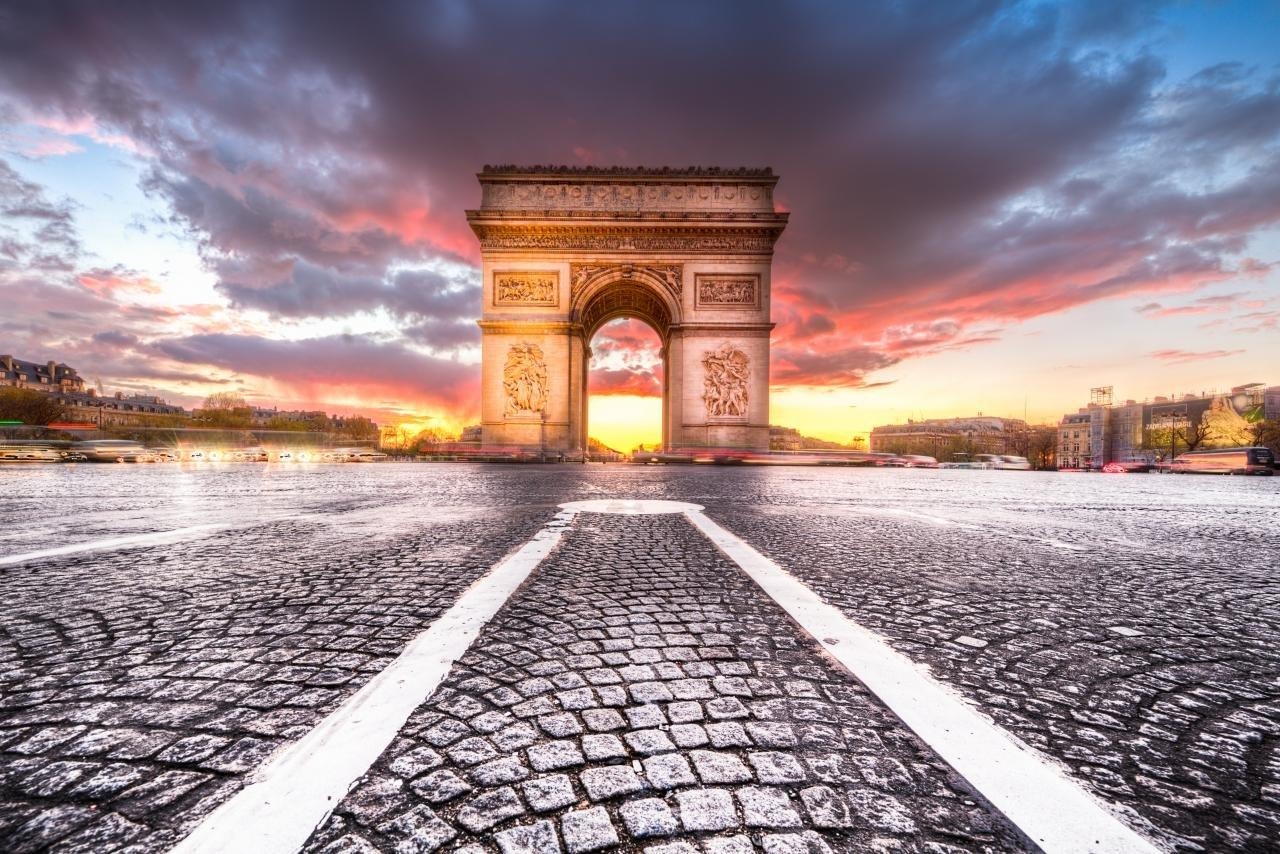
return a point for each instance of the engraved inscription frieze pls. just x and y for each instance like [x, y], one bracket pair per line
[727, 291]
[541, 288]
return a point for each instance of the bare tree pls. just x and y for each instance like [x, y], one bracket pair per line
[1266, 434]
[1194, 433]
[1042, 446]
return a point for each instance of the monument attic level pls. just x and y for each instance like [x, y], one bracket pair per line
[566, 249]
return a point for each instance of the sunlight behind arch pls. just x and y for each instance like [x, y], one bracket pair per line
[624, 408]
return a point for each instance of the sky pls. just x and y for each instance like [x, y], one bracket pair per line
[994, 206]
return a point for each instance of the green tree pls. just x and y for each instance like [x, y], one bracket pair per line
[280, 422]
[1161, 438]
[226, 409]
[29, 406]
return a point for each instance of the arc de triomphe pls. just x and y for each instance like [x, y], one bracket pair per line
[565, 250]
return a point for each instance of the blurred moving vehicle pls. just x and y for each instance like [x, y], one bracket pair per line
[915, 461]
[1012, 462]
[964, 461]
[1248, 460]
[1126, 466]
[21, 452]
[112, 451]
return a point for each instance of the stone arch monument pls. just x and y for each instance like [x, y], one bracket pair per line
[565, 250]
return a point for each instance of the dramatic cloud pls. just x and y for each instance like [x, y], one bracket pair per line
[625, 360]
[952, 168]
[36, 234]
[314, 368]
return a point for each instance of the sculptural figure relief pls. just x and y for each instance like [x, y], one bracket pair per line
[726, 372]
[728, 291]
[599, 240]
[526, 289]
[671, 275]
[525, 378]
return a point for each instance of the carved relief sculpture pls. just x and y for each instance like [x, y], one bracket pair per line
[670, 275]
[728, 291]
[726, 371]
[525, 378]
[526, 289]
[599, 240]
[580, 274]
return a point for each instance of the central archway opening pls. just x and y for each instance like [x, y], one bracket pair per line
[625, 381]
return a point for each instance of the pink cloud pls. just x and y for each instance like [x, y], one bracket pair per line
[1183, 356]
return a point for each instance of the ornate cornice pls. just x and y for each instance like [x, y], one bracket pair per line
[529, 327]
[741, 330]
[757, 240]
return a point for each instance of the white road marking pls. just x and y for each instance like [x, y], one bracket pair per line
[630, 507]
[152, 539]
[1053, 810]
[294, 792]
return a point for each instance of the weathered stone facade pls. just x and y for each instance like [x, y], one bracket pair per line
[566, 250]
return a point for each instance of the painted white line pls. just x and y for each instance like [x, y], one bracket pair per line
[1053, 810]
[630, 506]
[152, 539]
[296, 789]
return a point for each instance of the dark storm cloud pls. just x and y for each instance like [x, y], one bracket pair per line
[311, 291]
[966, 162]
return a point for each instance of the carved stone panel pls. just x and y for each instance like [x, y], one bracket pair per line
[726, 291]
[626, 196]
[581, 274]
[669, 276]
[727, 371]
[516, 288]
[524, 378]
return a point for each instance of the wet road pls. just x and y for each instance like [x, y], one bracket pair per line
[1126, 626]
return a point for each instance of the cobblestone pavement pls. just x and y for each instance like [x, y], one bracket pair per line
[140, 686]
[1140, 650]
[1125, 626]
[641, 692]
